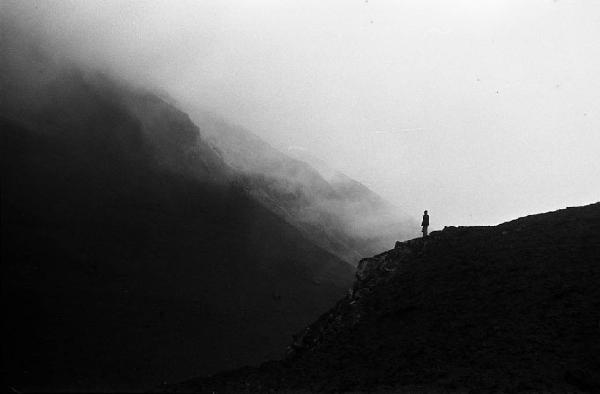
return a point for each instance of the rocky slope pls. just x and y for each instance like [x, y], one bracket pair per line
[509, 308]
[129, 257]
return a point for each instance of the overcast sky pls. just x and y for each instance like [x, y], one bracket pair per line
[479, 111]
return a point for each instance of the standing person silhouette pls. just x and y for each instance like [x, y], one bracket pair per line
[425, 223]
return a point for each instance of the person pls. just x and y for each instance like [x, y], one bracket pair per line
[425, 223]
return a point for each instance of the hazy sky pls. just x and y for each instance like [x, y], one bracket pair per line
[479, 111]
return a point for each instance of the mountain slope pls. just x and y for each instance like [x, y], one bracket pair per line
[129, 258]
[334, 211]
[514, 308]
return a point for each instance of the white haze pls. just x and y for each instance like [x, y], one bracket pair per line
[479, 111]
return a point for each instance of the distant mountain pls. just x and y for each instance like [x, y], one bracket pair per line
[509, 308]
[336, 212]
[131, 256]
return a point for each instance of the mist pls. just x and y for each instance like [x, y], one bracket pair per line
[479, 111]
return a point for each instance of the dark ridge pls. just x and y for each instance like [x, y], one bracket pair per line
[508, 308]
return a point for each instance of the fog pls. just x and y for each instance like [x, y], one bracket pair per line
[479, 111]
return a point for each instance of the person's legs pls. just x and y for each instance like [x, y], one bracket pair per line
[424, 231]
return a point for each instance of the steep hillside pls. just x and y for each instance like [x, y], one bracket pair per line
[128, 256]
[334, 211]
[510, 308]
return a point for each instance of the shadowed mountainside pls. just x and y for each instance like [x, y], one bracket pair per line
[509, 308]
[129, 257]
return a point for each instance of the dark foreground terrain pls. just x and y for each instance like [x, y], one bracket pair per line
[510, 308]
